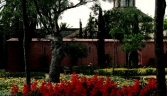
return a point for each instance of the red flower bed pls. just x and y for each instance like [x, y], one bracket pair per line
[82, 86]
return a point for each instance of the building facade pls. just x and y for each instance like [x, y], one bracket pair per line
[123, 3]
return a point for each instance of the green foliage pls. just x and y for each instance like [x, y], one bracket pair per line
[121, 21]
[133, 42]
[64, 26]
[91, 26]
[79, 50]
[84, 69]
[11, 15]
[165, 24]
[50, 12]
[75, 51]
[126, 21]
[117, 33]
[130, 26]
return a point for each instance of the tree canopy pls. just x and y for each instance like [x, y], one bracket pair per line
[49, 13]
[130, 26]
[46, 13]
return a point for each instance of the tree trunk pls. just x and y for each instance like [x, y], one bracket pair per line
[3, 53]
[57, 50]
[26, 42]
[134, 59]
[101, 52]
[134, 54]
[57, 56]
[129, 61]
[21, 51]
[159, 52]
[101, 29]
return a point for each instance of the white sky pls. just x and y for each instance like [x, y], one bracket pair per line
[72, 16]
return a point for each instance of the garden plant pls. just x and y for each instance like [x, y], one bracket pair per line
[87, 86]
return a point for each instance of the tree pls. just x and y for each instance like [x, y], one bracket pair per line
[132, 43]
[12, 22]
[100, 36]
[4, 30]
[160, 6]
[26, 42]
[64, 26]
[123, 28]
[49, 13]
[75, 51]
[91, 26]
[80, 29]
[14, 17]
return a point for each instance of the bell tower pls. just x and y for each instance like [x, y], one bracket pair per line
[123, 3]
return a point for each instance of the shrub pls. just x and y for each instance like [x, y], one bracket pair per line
[84, 69]
[75, 51]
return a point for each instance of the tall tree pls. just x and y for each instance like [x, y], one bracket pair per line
[123, 28]
[4, 31]
[26, 42]
[49, 13]
[12, 17]
[80, 29]
[100, 36]
[160, 6]
[91, 26]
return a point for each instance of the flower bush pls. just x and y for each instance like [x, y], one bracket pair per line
[84, 86]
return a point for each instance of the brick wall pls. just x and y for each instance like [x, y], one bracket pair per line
[40, 54]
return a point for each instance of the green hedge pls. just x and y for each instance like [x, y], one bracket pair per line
[21, 74]
[87, 70]
[135, 71]
[128, 72]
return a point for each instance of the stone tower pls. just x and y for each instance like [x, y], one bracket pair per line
[123, 3]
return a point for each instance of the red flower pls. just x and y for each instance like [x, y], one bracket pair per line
[34, 85]
[95, 86]
[25, 90]
[14, 90]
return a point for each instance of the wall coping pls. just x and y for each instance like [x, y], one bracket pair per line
[74, 39]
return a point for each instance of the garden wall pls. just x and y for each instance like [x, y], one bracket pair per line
[40, 54]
